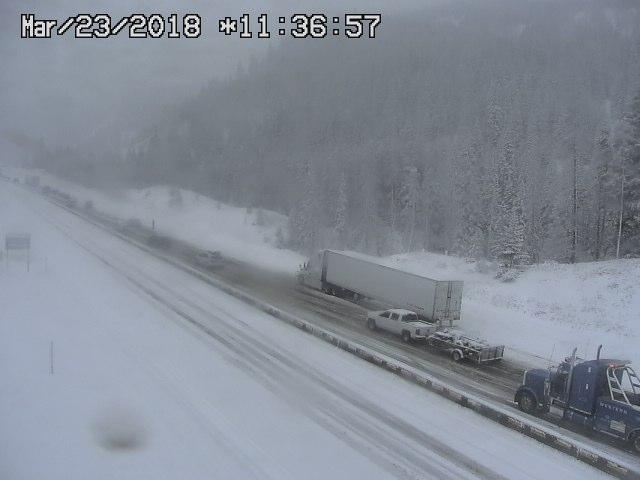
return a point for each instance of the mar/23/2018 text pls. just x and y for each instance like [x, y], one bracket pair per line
[298, 25]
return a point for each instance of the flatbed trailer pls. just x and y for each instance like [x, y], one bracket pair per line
[461, 346]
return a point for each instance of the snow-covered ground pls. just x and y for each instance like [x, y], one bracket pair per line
[541, 316]
[246, 235]
[133, 390]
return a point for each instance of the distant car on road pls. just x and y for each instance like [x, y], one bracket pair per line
[159, 241]
[209, 259]
[402, 322]
[131, 225]
[461, 346]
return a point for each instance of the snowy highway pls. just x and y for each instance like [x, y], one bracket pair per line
[345, 319]
[201, 385]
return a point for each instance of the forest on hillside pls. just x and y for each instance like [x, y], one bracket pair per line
[489, 129]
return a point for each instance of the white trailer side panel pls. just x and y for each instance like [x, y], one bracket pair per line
[430, 298]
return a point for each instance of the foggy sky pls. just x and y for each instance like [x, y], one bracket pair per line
[65, 90]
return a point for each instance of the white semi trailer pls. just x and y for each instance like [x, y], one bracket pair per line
[347, 275]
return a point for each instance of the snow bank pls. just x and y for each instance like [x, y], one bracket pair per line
[239, 233]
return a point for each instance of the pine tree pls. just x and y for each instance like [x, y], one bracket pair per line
[520, 254]
[303, 218]
[574, 204]
[469, 231]
[629, 151]
[408, 205]
[340, 222]
[509, 225]
[540, 210]
[607, 196]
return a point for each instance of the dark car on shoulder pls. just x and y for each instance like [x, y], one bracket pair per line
[209, 259]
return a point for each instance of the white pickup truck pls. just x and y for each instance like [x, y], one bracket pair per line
[402, 322]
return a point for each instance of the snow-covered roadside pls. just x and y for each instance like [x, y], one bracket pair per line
[135, 395]
[132, 395]
[541, 316]
[248, 235]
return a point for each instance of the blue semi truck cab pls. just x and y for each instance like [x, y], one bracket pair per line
[601, 394]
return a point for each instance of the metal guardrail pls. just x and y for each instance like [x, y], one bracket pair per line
[497, 413]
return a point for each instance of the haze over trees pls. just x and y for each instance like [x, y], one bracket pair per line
[503, 129]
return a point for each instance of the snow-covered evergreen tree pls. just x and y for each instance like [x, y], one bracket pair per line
[540, 204]
[342, 206]
[629, 151]
[509, 225]
[408, 200]
[607, 198]
[303, 224]
[470, 236]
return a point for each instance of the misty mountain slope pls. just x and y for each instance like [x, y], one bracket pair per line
[496, 129]
[402, 142]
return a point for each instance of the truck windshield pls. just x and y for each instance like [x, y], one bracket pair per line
[410, 317]
[628, 386]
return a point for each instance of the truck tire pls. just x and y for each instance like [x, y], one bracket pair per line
[371, 324]
[527, 403]
[456, 355]
[406, 336]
